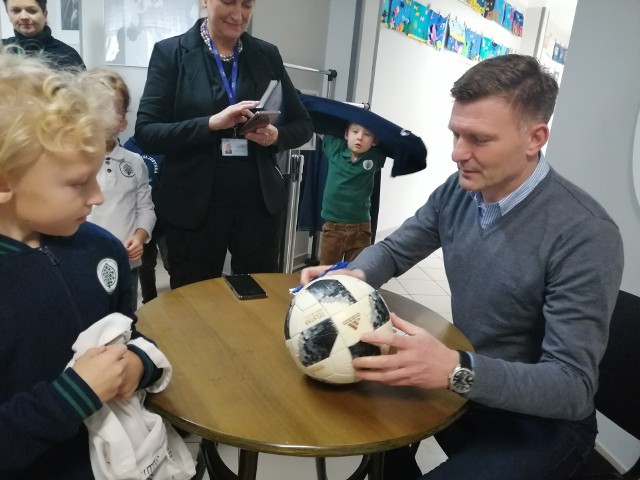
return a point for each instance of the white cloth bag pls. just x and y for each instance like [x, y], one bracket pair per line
[126, 441]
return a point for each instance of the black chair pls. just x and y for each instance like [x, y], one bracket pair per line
[618, 395]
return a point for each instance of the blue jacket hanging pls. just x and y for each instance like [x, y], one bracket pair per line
[332, 117]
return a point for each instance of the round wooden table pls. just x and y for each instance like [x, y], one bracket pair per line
[234, 381]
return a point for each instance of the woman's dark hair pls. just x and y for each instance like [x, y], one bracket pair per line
[519, 79]
[41, 3]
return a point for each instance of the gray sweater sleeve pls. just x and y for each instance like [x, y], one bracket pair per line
[534, 294]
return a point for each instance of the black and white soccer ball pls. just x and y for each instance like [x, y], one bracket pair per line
[325, 322]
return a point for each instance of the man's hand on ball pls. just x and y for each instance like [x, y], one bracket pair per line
[419, 360]
[311, 273]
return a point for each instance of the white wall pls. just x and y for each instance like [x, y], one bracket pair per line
[339, 45]
[411, 88]
[592, 142]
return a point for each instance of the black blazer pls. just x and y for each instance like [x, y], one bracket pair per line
[182, 91]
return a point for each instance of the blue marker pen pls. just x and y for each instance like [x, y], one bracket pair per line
[336, 266]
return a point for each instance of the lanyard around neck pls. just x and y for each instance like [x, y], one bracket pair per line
[230, 88]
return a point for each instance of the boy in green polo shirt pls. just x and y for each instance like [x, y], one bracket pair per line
[346, 204]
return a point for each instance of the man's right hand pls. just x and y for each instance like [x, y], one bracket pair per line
[103, 369]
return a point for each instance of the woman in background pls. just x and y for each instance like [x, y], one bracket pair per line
[33, 36]
[201, 87]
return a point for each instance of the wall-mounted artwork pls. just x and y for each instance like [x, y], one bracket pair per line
[478, 5]
[132, 27]
[384, 15]
[70, 14]
[455, 37]
[419, 22]
[400, 15]
[497, 14]
[437, 30]
[507, 20]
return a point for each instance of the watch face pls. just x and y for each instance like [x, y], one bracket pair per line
[462, 380]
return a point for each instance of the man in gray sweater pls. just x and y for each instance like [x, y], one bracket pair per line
[534, 265]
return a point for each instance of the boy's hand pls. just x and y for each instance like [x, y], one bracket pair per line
[103, 369]
[135, 244]
[134, 248]
[134, 369]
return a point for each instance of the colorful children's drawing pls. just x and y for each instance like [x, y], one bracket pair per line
[496, 49]
[384, 16]
[419, 22]
[488, 8]
[556, 52]
[498, 11]
[562, 55]
[400, 13]
[486, 50]
[507, 21]
[518, 23]
[455, 37]
[437, 29]
[472, 44]
[478, 6]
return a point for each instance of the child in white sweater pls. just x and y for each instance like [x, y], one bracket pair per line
[127, 211]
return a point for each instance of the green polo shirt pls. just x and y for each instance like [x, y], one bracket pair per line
[347, 193]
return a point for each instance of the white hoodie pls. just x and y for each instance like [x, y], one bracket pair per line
[126, 441]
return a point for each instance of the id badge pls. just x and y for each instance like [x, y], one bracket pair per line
[234, 147]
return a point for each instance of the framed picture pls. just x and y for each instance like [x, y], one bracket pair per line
[70, 14]
[132, 27]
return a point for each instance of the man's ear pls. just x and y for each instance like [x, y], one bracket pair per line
[6, 192]
[538, 137]
[375, 142]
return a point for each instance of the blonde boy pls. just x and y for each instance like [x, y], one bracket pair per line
[58, 274]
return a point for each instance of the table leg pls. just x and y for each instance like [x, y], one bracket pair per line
[247, 465]
[376, 466]
[321, 468]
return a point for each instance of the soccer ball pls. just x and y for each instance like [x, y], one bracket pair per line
[324, 324]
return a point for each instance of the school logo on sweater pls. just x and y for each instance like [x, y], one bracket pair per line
[108, 274]
[126, 169]
[367, 164]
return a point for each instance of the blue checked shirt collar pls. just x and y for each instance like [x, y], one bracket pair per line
[491, 212]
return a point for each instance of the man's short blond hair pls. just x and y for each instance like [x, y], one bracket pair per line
[44, 110]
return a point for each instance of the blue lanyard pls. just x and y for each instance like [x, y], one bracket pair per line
[231, 89]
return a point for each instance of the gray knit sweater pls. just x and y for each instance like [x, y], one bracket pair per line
[533, 293]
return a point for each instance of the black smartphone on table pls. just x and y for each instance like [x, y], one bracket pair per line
[245, 287]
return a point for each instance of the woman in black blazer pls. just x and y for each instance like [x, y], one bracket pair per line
[210, 201]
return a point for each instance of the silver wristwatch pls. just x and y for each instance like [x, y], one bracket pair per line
[461, 378]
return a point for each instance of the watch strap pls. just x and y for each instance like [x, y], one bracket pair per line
[465, 360]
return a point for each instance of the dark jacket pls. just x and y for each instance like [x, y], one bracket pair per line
[48, 296]
[182, 91]
[60, 54]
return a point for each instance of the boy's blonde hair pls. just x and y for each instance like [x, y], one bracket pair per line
[44, 110]
[114, 83]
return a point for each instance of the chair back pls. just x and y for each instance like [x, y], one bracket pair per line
[618, 396]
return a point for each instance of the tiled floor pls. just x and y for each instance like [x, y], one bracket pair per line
[425, 283]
